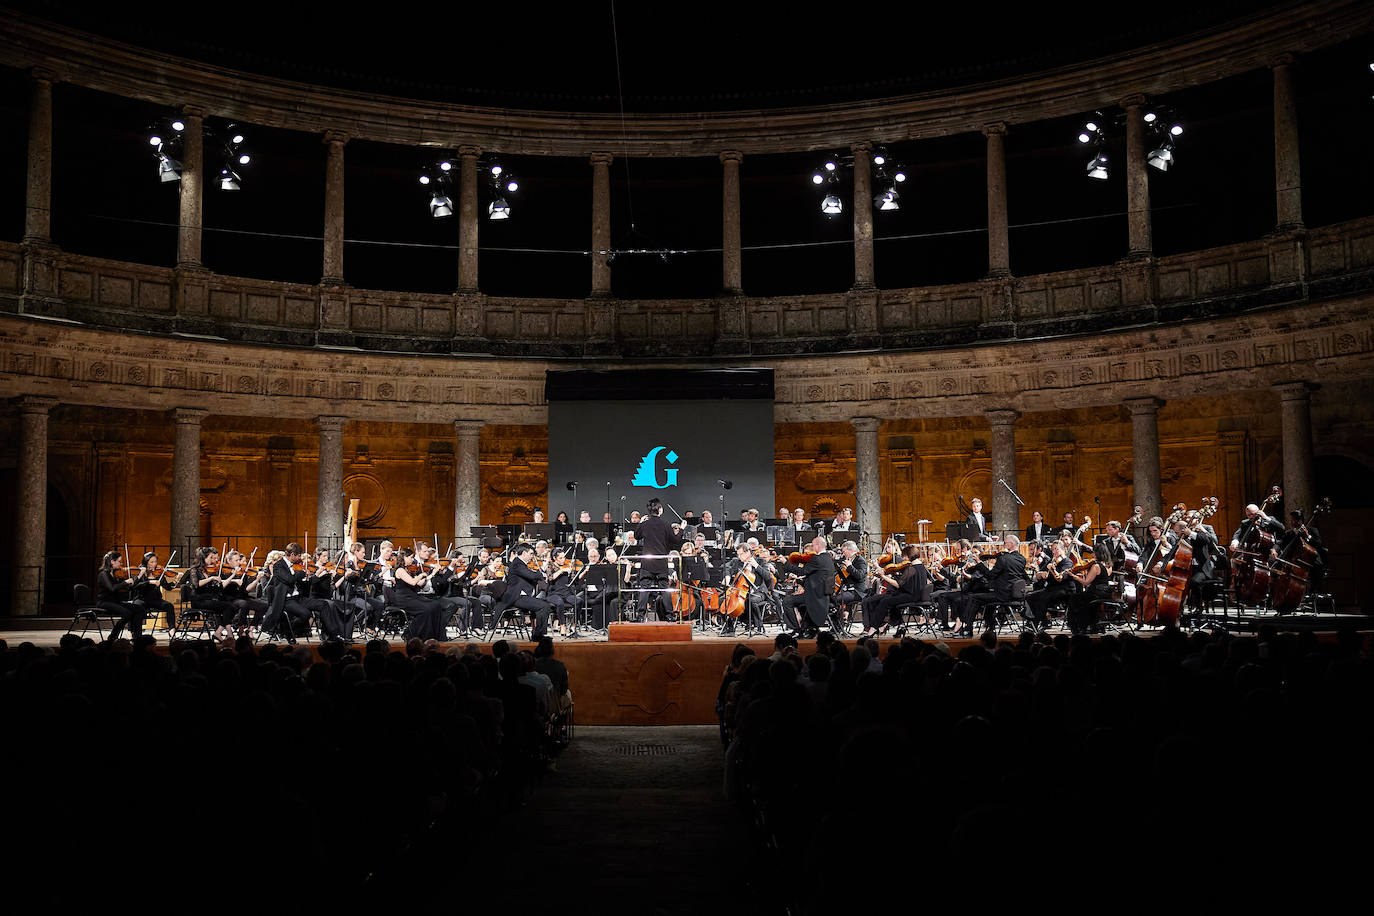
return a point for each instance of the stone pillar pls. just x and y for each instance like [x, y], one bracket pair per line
[1287, 167]
[329, 504]
[1145, 453]
[38, 199]
[186, 479]
[601, 223]
[1005, 512]
[192, 173]
[31, 504]
[467, 490]
[1141, 243]
[331, 273]
[1295, 399]
[999, 251]
[732, 270]
[467, 218]
[863, 215]
[867, 477]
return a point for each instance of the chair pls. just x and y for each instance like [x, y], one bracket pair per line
[88, 613]
[512, 619]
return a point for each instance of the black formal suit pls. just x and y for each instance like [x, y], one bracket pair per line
[1038, 532]
[981, 523]
[764, 583]
[656, 537]
[854, 580]
[521, 582]
[818, 584]
[1007, 581]
[286, 587]
[1269, 524]
[911, 586]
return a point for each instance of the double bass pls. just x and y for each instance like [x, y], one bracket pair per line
[1293, 569]
[1250, 567]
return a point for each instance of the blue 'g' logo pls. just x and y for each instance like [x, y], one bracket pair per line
[647, 474]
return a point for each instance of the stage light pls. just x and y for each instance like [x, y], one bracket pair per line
[830, 166]
[244, 159]
[887, 200]
[228, 181]
[571, 485]
[498, 209]
[900, 176]
[1150, 117]
[446, 166]
[154, 140]
[512, 186]
[496, 169]
[168, 169]
[238, 138]
[178, 126]
[1176, 129]
[1084, 138]
[1091, 127]
[424, 179]
[1097, 167]
[440, 207]
[818, 178]
[831, 205]
[1161, 158]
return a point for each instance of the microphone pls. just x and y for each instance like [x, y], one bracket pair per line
[572, 484]
[727, 484]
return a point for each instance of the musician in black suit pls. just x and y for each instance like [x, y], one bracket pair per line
[655, 536]
[1255, 517]
[979, 521]
[759, 590]
[1007, 580]
[1120, 543]
[1205, 551]
[1296, 531]
[521, 582]
[1037, 529]
[908, 588]
[287, 586]
[818, 584]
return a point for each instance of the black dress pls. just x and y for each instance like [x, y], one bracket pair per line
[113, 596]
[426, 613]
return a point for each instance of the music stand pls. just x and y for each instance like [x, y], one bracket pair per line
[596, 582]
[487, 536]
[543, 531]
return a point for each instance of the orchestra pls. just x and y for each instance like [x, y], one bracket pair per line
[732, 579]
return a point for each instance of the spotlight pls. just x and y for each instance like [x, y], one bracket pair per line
[440, 207]
[512, 186]
[1161, 158]
[228, 181]
[446, 166]
[424, 179]
[238, 138]
[831, 205]
[178, 126]
[887, 200]
[818, 178]
[830, 166]
[168, 169]
[1150, 117]
[496, 169]
[1176, 129]
[498, 209]
[1097, 167]
[154, 140]
[1084, 138]
[879, 159]
[1091, 127]
[244, 159]
[900, 176]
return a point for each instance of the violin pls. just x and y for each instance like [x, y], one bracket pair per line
[800, 557]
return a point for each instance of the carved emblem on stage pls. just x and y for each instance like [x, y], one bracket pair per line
[652, 685]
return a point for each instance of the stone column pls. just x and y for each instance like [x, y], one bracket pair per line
[863, 215]
[1005, 512]
[1141, 243]
[867, 477]
[1287, 167]
[601, 223]
[186, 479]
[38, 199]
[332, 272]
[192, 172]
[467, 218]
[730, 240]
[1295, 399]
[1145, 453]
[329, 508]
[467, 490]
[999, 251]
[31, 504]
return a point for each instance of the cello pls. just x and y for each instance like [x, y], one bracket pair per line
[1250, 568]
[1294, 568]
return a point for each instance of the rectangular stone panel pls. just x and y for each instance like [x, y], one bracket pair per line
[116, 291]
[402, 319]
[1067, 300]
[9, 273]
[1106, 295]
[300, 313]
[932, 312]
[834, 321]
[633, 325]
[1361, 252]
[799, 322]
[1032, 303]
[366, 317]
[763, 324]
[260, 309]
[437, 321]
[701, 325]
[1327, 259]
[155, 297]
[75, 284]
[667, 326]
[966, 311]
[896, 314]
[1252, 272]
[1213, 278]
[570, 325]
[1174, 285]
[501, 324]
[535, 324]
[225, 304]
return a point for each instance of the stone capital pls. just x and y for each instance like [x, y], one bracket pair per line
[731, 155]
[1002, 416]
[193, 111]
[1134, 100]
[468, 429]
[469, 151]
[995, 129]
[865, 424]
[332, 136]
[331, 424]
[33, 403]
[189, 416]
[601, 158]
[1282, 59]
[1296, 391]
[1142, 406]
[43, 74]
[861, 147]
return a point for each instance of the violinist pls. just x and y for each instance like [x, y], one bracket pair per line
[759, 590]
[969, 579]
[252, 605]
[1096, 587]
[1006, 580]
[287, 614]
[817, 569]
[521, 583]
[1055, 585]
[353, 583]
[207, 594]
[594, 599]
[114, 596]
[440, 576]
[912, 581]
[852, 570]
[334, 614]
[414, 593]
[147, 587]
[557, 584]
[751, 519]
